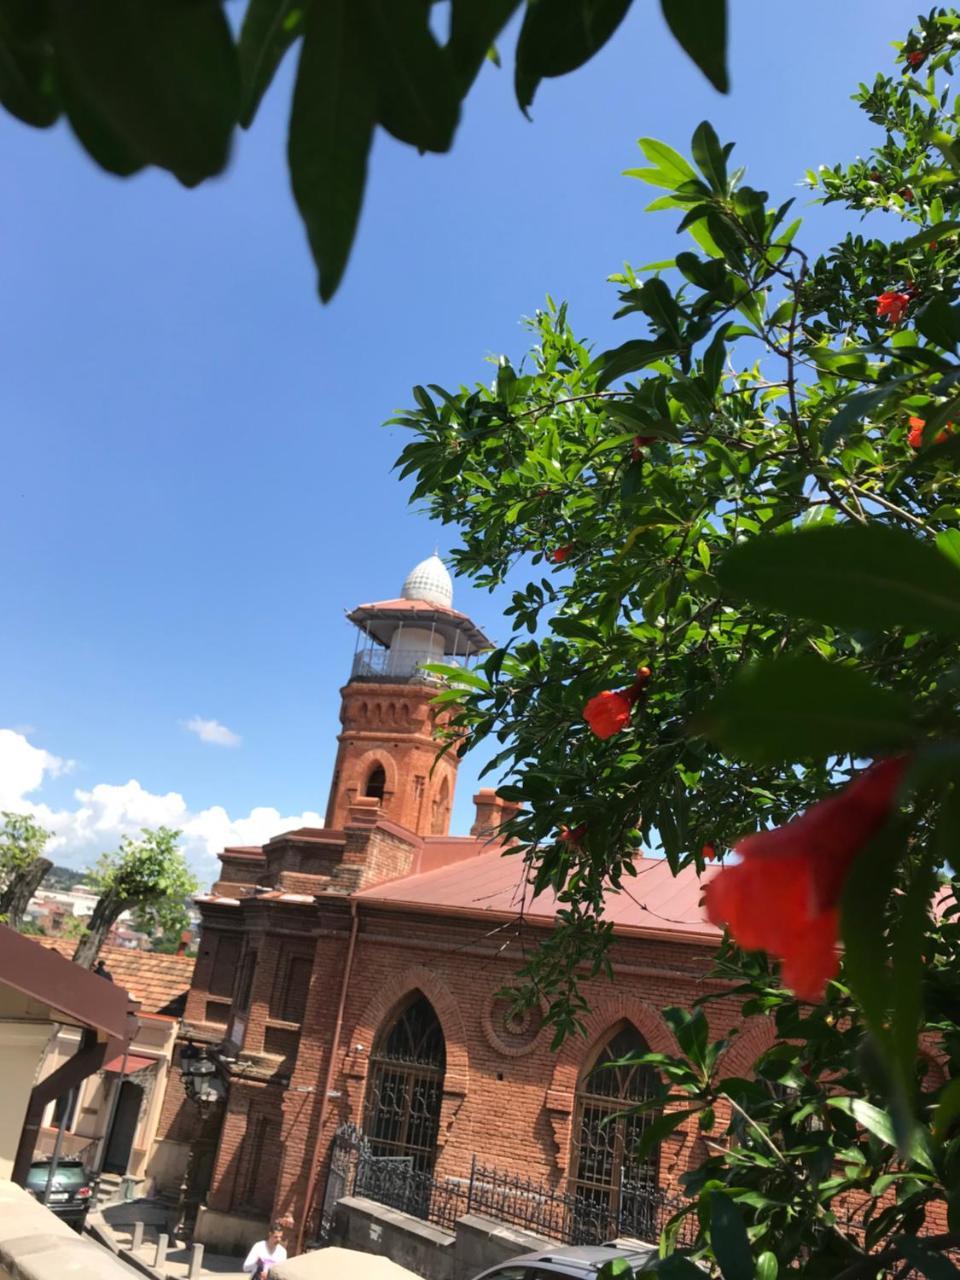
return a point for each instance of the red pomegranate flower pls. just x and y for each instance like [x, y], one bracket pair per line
[915, 435]
[559, 554]
[783, 895]
[709, 853]
[608, 712]
[892, 305]
[916, 59]
[574, 836]
[638, 446]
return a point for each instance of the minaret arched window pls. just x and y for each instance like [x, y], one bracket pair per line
[615, 1190]
[376, 781]
[405, 1086]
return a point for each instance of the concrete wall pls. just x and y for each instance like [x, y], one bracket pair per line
[475, 1244]
[36, 1245]
[22, 1042]
[228, 1232]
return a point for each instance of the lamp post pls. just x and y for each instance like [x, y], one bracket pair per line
[206, 1090]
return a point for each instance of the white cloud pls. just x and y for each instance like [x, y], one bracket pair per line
[213, 731]
[107, 811]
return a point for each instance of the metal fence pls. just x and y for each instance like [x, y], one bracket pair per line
[635, 1210]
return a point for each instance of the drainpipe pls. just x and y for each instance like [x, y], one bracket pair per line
[328, 1083]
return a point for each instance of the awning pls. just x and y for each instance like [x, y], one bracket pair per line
[132, 1063]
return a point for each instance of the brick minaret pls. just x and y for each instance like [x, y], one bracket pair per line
[388, 747]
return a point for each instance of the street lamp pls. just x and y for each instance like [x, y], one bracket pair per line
[201, 1081]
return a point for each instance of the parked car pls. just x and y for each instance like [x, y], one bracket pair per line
[69, 1192]
[575, 1262]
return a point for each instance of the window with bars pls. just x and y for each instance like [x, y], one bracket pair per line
[609, 1180]
[405, 1086]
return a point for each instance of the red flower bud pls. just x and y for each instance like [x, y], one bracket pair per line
[709, 853]
[916, 59]
[559, 554]
[639, 443]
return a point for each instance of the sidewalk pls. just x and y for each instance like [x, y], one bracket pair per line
[117, 1221]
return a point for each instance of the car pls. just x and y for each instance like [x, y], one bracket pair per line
[70, 1190]
[574, 1262]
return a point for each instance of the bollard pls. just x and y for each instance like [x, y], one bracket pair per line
[161, 1257]
[196, 1263]
[137, 1240]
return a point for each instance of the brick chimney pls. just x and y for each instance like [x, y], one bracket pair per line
[492, 812]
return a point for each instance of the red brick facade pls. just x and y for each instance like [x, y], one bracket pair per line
[272, 977]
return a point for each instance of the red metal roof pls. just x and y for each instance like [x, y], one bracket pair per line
[491, 884]
[379, 620]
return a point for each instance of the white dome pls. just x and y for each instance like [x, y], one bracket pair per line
[429, 580]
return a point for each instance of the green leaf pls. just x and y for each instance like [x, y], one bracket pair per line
[631, 357]
[933, 1265]
[849, 576]
[855, 409]
[940, 322]
[269, 29]
[709, 156]
[879, 1124]
[26, 65]
[767, 1266]
[673, 169]
[948, 1110]
[655, 1132]
[161, 79]
[474, 26]
[907, 967]
[558, 36]
[728, 1239]
[331, 126]
[783, 710]
[939, 231]
[701, 29]
[418, 99]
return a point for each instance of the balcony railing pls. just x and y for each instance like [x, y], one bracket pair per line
[403, 667]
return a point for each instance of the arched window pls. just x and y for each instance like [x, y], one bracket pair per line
[376, 781]
[615, 1190]
[405, 1086]
[440, 817]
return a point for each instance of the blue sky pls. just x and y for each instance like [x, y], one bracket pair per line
[195, 482]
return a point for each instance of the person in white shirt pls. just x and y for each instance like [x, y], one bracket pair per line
[266, 1254]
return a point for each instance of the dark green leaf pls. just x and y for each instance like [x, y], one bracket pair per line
[558, 36]
[26, 65]
[791, 708]
[269, 29]
[855, 409]
[853, 576]
[655, 1132]
[879, 1124]
[632, 356]
[331, 125]
[940, 322]
[728, 1238]
[907, 966]
[474, 26]
[933, 1265]
[701, 29]
[948, 1110]
[418, 99]
[160, 78]
[709, 156]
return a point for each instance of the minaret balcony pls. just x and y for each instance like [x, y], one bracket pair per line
[406, 667]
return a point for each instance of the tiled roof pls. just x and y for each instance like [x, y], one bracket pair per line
[654, 901]
[160, 982]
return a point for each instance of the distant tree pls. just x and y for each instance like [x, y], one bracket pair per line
[32, 929]
[149, 876]
[22, 865]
